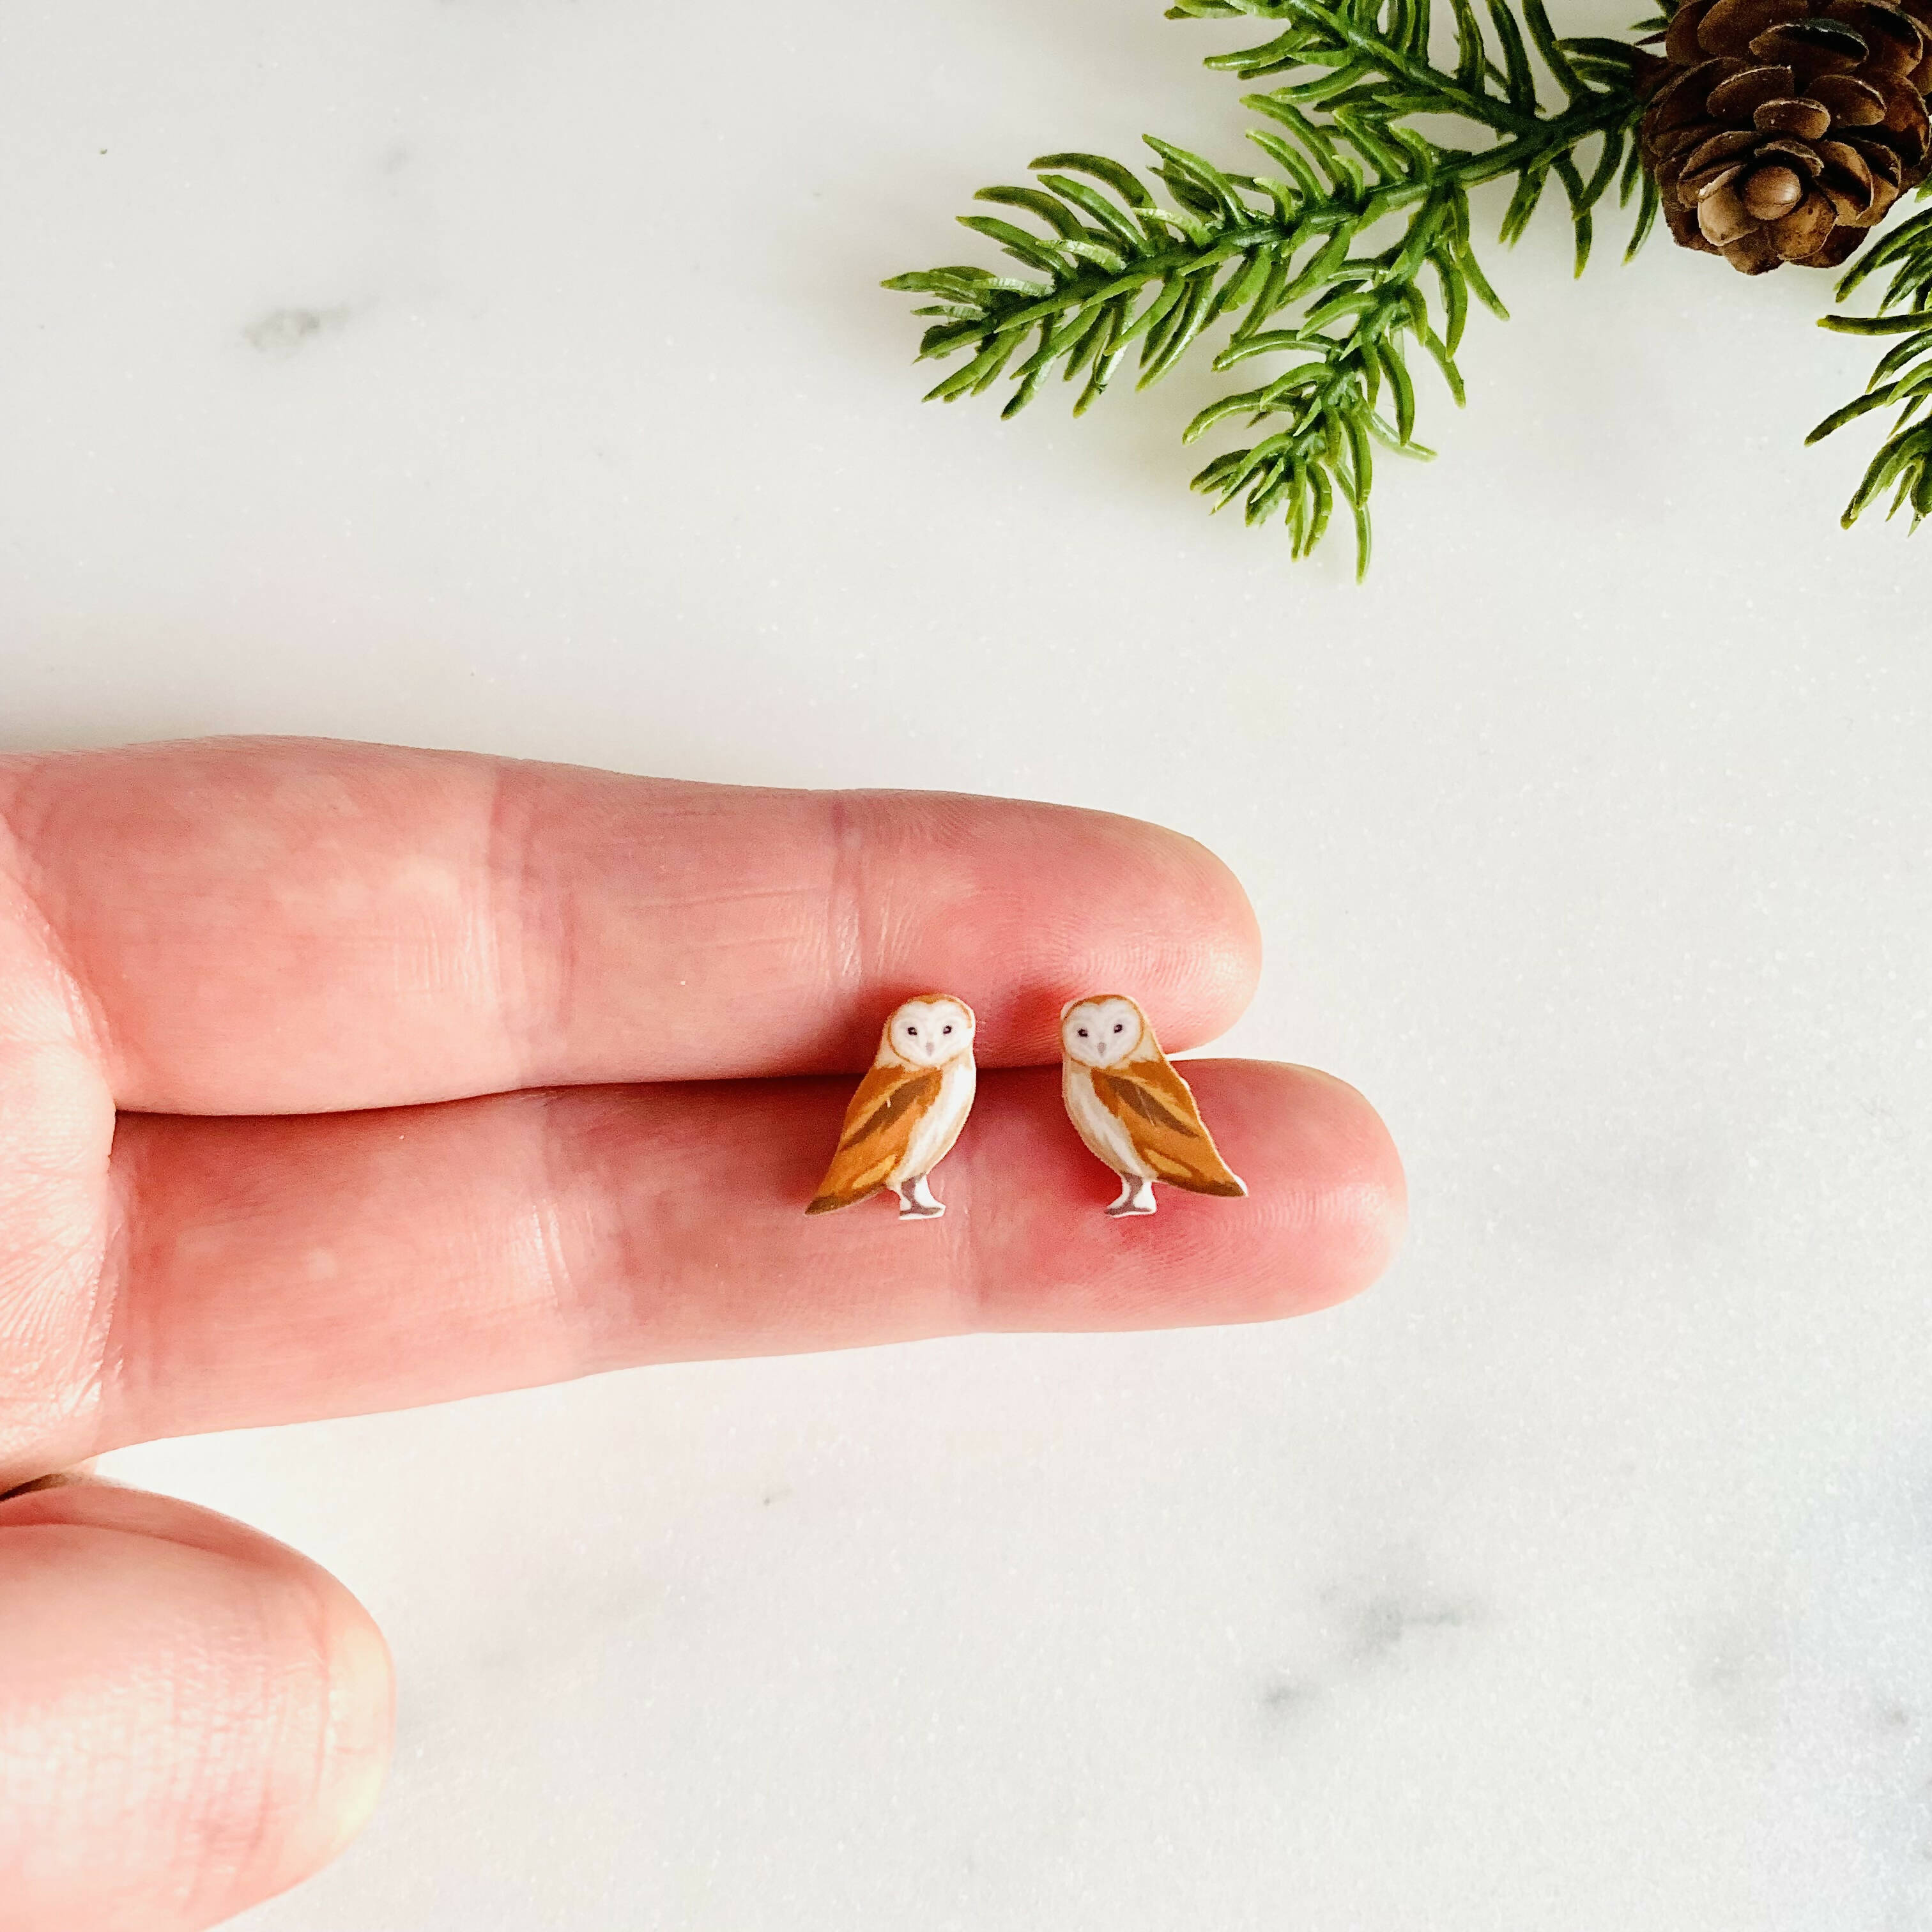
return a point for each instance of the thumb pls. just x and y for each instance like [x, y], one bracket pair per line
[193, 1717]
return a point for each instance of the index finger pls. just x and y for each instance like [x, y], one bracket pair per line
[283, 926]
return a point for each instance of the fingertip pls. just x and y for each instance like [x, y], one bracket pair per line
[1356, 1174]
[1115, 904]
[1226, 968]
[211, 1712]
[1326, 1203]
[359, 1728]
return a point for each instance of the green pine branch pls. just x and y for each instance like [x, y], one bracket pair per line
[1329, 262]
[1903, 376]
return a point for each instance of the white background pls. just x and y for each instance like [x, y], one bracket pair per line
[512, 375]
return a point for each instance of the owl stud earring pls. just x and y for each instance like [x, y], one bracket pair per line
[908, 1111]
[1132, 1108]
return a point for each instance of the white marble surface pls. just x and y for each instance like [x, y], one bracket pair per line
[510, 374]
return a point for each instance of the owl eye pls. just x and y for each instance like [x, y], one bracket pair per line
[1119, 1026]
[1083, 1032]
[946, 1029]
[913, 1031]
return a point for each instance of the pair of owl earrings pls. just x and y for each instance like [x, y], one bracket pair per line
[1124, 1097]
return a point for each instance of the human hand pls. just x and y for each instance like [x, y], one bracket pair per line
[364, 1013]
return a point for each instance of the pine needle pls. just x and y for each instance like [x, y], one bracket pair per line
[1285, 256]
[1904, 375]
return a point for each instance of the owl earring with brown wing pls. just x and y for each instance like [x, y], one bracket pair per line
[908, 1111]
[1130, 1106]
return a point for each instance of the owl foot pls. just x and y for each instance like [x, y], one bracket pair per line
[1136, 1197]
[916, 1202]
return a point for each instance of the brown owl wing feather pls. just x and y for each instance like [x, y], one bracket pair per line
[878, 1130]
[1156, 1107]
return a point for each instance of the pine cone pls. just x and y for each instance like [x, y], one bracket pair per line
[1780, 130]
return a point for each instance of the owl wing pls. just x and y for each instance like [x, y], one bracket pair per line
[878, 1128]
[1156, 1107]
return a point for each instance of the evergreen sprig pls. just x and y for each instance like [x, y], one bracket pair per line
[1903, 376]
[1293, 255]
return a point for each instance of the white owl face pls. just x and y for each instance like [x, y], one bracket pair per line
[1102, 1032]
[929, 1032]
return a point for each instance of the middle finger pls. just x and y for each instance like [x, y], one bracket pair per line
[277, 1271]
